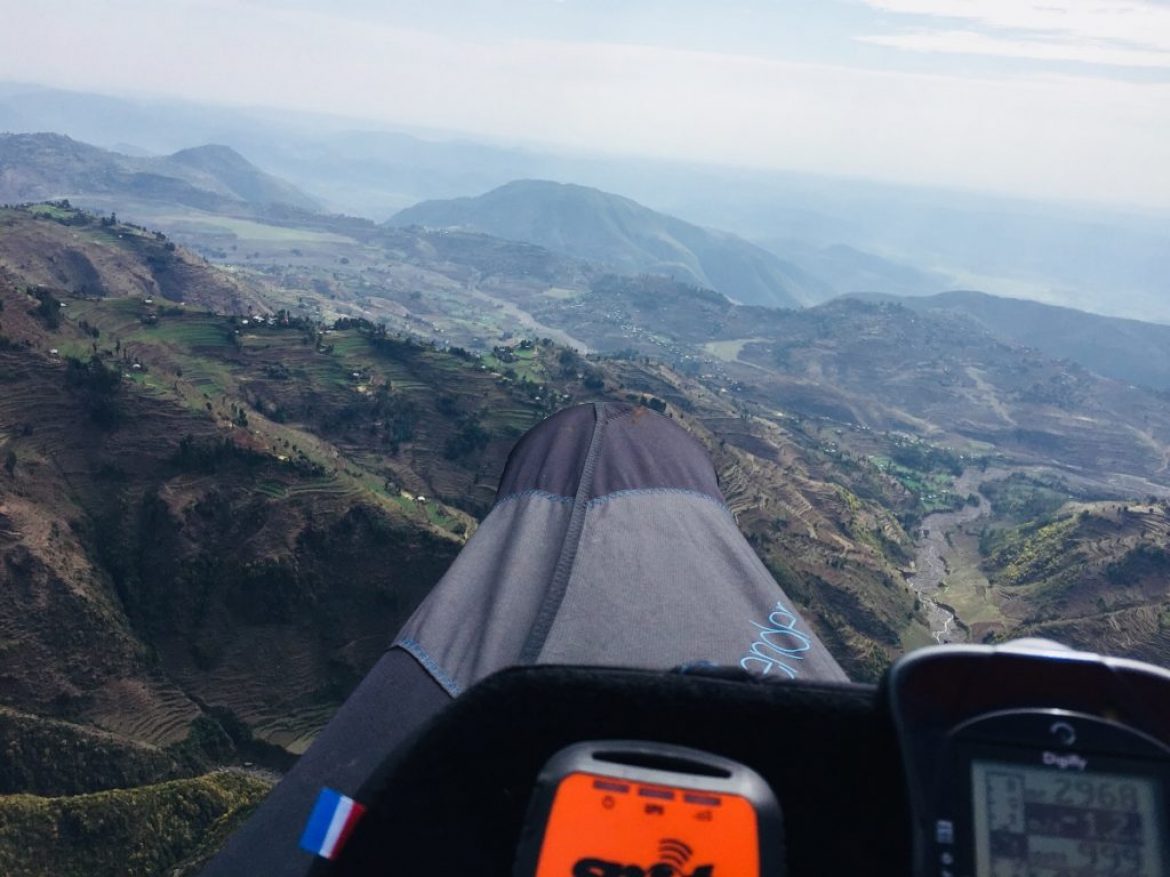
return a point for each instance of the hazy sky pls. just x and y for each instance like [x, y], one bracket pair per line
[1054, 98]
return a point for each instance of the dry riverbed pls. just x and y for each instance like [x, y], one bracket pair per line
[941, 553]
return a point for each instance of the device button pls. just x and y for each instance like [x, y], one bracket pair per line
[944, 831]
[1064, 732]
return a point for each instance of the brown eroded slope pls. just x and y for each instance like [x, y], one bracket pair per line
[1093, 575]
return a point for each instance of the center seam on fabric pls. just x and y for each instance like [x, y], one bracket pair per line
[564, 569]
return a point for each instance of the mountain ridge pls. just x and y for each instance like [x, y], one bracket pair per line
[1134, 351]
[619, 232]
[996, 242]
[43, 166]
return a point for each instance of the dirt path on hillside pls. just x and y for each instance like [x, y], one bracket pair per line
[530, 322]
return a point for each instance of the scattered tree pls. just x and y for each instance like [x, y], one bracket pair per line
[49, 309]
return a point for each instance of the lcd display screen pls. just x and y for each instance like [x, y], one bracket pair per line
[605, 827]
[1036, 822]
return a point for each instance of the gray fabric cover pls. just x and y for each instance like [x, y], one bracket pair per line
[609, 544]
[391, 703]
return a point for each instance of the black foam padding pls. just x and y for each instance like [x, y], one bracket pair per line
[453, 801]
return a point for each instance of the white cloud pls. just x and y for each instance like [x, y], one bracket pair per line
[1065, 137]
[1136, 21]
[965, 42]
[1132, 33]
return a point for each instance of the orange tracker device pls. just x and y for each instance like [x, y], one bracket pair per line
[627, 808]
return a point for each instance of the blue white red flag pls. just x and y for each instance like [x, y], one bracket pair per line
[333, 819]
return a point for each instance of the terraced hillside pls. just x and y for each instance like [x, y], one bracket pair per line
[222, 491]
[152, 503]
[164, 828]
[198, 580]
[936, 374]
[100, 258]
[1128, 350]
[1094, 575]
[214, 512]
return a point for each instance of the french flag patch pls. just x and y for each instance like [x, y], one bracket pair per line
[333, 819]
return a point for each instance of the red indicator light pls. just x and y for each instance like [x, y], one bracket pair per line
[702, 800]
[610, 786]
[663, 794]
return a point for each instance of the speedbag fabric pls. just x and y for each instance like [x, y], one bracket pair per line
[610, 544]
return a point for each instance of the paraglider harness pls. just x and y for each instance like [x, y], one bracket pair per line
[967, 760]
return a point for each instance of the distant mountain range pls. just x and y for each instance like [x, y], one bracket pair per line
[1086, 256]
[585, 223]
[1126, 350]
[37, 167]
[609, 230]
[848, 269]
[622, 234]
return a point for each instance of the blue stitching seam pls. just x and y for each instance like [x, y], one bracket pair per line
[430, 665]
[570, 542]
[617, 494]
[534, 492]
[658, 491]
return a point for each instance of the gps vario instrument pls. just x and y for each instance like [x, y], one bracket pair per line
[1029, 760]
[623, 808]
